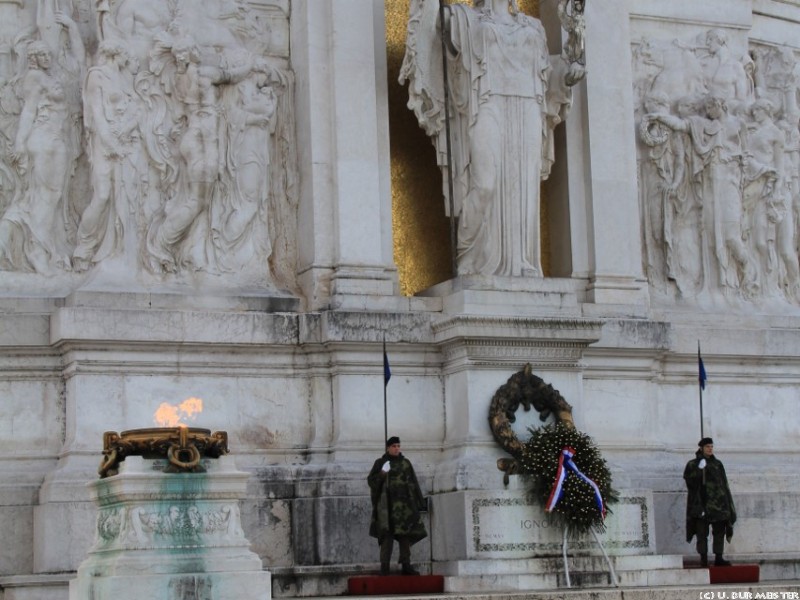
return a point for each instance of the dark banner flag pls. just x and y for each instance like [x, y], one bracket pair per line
[387, 372]
[701, 369]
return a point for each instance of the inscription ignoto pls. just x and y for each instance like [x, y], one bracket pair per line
[518, 524]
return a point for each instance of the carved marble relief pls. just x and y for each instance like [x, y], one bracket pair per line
[163, 153]
[719, 169]
[182, 523]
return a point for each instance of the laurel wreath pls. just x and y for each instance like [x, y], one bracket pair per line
[651, 131]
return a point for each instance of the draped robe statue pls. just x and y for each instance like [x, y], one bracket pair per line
[506, 96]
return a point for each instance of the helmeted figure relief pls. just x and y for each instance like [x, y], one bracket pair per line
[111, 124]
[499, 73]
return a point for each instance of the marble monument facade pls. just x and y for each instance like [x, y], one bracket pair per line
[195, 201]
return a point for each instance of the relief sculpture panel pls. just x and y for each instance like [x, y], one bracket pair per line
[148, 141]
[718, 170]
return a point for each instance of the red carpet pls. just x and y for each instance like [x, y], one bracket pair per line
[734, 574]
[395, 584]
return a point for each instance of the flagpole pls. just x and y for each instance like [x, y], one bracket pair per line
[386, 376]
[701, 384]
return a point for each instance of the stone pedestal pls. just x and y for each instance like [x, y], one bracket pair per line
[510, 524]
[490, 540]
[170, 535]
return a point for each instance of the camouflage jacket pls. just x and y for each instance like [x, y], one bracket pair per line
[709, 495]
[396, 500]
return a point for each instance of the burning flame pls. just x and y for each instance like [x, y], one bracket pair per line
[171, 415]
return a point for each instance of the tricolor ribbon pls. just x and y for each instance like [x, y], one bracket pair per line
[565, 465]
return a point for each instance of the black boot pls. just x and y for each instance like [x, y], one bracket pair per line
[721, 562]
[704, 560]
[384, 568]
[409, 570]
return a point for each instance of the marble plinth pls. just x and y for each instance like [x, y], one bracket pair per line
[503, 539]
[170, 535]
[510, 524]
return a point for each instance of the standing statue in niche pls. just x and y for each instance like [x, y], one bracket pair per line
[500, 79]
[111, 122]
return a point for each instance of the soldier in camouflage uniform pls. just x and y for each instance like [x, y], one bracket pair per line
[396, 504]
[709, 503]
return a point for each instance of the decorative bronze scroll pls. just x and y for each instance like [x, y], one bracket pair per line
[183, 447]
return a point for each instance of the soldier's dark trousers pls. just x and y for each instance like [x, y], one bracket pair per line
[717, 533]
[387, 544]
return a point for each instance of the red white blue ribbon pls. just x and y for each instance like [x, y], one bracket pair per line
[565, 466]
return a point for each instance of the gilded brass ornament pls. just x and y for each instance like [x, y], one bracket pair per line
[183, 447]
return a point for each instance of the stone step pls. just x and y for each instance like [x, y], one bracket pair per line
[54, 587]
[555, 564]
[578, 579]
[482, 584]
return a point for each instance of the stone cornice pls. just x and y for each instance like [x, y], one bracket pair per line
[575, 330]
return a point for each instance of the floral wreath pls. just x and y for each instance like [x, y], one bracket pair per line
[569, 474]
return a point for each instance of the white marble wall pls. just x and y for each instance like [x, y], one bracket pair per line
[287, 357]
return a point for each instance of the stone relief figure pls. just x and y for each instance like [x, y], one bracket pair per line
[790, 125]
[499, 73]
[738, 183]
[241, 219]
[670, 202]
[33, 230]
[764, 200]
[111, 123]
[135, 23]
[658, 174]
[37, 224]
[726, 76]
[673, 70]
[198, 100]
[717, 142]
[190, 159]
[685, 232]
